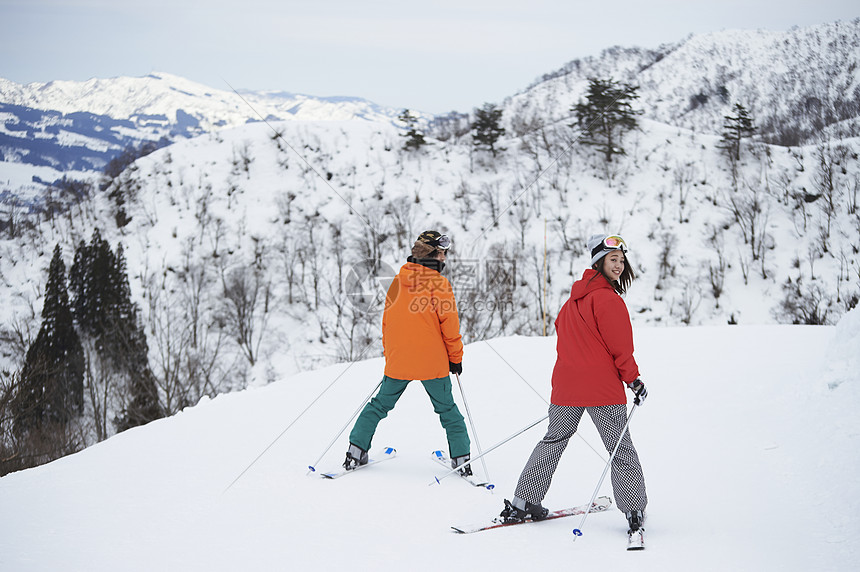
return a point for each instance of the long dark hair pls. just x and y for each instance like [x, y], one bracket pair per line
[627, 275]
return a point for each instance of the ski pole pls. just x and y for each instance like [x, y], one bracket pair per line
[496, 446]
[539, 394]
[474, 432]
[312, 468]
[578, 531]
[293, 422]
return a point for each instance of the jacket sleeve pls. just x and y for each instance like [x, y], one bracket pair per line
[449, 322]
[613, 323]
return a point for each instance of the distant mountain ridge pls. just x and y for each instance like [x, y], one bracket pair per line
[800, 86]
[66, 127]
[167, 96]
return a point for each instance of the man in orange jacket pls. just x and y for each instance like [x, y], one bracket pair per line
[421, 340]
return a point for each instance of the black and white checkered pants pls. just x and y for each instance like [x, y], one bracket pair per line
[628, 483]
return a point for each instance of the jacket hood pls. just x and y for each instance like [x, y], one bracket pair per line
[591, 280]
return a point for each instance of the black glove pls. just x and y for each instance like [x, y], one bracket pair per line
[639, 391]
[455, 367]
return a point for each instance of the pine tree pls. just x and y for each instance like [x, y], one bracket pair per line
[487, 129]
[606, 115]
[93, 287]
[105, 313]
[736, 128]
[51, 388]
[414, 136]
[142, 405]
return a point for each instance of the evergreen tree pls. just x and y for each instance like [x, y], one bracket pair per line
[51, 389]
[606, 115]
[105, 314]
[487, 129]
[414, 136]
[142, 405]
[736, 128]
[94, 289]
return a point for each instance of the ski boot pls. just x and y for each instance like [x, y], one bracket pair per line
[529, 511]
[457, 461]
[636, 532]
[355, 457]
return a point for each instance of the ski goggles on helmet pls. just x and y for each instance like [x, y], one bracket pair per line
[613, 242]
[436, 240]
[442, 243]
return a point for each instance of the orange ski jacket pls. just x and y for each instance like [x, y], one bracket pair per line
[420, 325]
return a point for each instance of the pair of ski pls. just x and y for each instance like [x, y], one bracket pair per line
[388, 453]
[636, 540]
[384, 454]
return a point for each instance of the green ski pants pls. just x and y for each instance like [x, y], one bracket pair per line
[439, 391]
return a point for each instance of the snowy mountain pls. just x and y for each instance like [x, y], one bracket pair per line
[175, 100]
[801, 85]
[750, 464]
[72, 128]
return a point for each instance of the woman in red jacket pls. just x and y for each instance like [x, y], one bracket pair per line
[595, 362]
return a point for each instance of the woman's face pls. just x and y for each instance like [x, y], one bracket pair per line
[613, 264]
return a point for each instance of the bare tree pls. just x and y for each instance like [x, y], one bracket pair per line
[465, 207]
[187, 352]
[101, 382]
[489, 195]
[244, 311]
[290, 258]
[750, 211]
[683, 177]
[666, 267]
[521, 213]
[717, 271]
[242, 160]
[804, 304]
[359, 309]
[402, 213]
[689, 302]
[830, 164]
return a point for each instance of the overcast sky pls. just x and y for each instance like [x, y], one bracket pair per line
[433, 56]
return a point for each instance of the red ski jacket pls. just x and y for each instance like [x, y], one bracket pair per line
[595, 346]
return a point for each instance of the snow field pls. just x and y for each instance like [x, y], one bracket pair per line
[750, 458]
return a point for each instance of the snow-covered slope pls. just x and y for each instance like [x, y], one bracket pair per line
[672, 195]
[749, 441]
[301, 209]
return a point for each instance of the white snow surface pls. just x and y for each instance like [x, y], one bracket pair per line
[748, 439]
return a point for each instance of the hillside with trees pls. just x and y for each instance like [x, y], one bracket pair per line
[244, 255]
